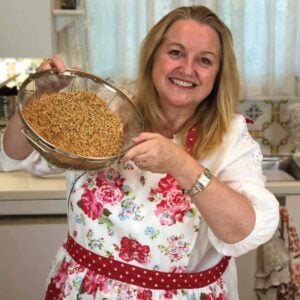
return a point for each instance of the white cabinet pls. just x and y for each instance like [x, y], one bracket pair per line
[246, 268]
[29, 29]
[28, 248]
[26, 29]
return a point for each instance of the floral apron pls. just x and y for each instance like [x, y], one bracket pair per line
[131, 236]
[132, 226]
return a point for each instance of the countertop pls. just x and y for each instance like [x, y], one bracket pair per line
[21, 185]
[24, 186]
[22, 194]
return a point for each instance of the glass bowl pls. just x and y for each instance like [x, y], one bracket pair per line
[51, 81]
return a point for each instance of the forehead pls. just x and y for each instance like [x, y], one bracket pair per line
[195, 34]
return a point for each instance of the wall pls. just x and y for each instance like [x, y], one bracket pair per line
[26, 28]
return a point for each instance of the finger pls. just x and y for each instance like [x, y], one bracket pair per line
[134, 153]
[144, 136]
[49, 63]
[57, 62]
[45, 65]
[130, 155]
[141, 163]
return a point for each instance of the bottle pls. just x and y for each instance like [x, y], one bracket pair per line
[68, 4]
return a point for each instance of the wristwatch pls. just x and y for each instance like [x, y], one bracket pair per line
[202, 182]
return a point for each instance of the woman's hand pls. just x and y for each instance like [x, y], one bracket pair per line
[50, 63]
[55, 82]
[153, 152]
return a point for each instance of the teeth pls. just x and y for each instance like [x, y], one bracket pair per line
[182, 83]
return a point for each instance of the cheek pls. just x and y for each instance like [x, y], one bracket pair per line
[159, 72]
[163, 65]
[210, 79]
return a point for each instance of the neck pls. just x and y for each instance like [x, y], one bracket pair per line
[172, 128]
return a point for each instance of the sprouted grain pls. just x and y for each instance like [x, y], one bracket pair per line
[76, 122]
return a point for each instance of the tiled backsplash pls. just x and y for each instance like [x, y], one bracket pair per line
[271, 124]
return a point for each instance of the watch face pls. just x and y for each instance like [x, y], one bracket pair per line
[202, 182]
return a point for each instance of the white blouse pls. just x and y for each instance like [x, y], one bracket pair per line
[237, 163]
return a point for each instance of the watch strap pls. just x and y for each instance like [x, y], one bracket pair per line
[201, 184]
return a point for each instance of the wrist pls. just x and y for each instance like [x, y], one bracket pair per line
[202, 182]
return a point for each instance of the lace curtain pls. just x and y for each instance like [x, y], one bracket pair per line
[266, 38]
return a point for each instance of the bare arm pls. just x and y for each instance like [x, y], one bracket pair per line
[229, 214]
[15, 144]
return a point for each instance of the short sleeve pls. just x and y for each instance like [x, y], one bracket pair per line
[240, 168]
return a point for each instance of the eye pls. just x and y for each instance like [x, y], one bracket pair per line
[176, 53]
[205, 61]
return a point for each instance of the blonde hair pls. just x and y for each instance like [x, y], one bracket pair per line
[214, 115]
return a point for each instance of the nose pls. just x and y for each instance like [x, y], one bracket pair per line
[188, 66]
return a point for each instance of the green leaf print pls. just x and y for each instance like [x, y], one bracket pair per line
[106, 221]
[79, 204]
[106, 212]
[126, 203]
[142, 180]
[127, 190]
[203, 296]
[190, 213]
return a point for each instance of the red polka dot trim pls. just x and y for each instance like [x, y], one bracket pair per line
[191, 138]
[150, 279]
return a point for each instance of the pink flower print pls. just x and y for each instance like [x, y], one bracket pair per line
[164, 186]
[90, 205]
[107, 188]
[108, 193]
[144, 294]
[92, 282]
[176, 249]
[208, 297]
[75, 268]
[112, 176]
[173, 208]
[124, 291]
[175, 269]
[297, 267]
[221, 297]
[62, 275]
[172, 203]
[169, 294]
[133, 250]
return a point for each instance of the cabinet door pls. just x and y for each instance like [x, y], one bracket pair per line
[293, 207]
[246, 268]
[28, 248]
[26, 29]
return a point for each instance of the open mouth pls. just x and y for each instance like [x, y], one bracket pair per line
[182, 83]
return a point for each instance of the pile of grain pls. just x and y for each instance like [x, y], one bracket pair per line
[77, 122]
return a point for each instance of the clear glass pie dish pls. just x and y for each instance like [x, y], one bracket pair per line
[52, 82]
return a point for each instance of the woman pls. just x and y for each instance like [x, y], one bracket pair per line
[175, 228]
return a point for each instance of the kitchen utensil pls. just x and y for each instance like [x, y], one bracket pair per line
[51, 81]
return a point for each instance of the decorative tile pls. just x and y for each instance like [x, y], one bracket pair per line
[270, 126]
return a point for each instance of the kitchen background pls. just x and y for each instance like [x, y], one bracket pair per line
[102, 37]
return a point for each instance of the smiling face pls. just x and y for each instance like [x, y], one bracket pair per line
[186, 65]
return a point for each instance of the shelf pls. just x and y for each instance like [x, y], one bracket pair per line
[65, 17]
